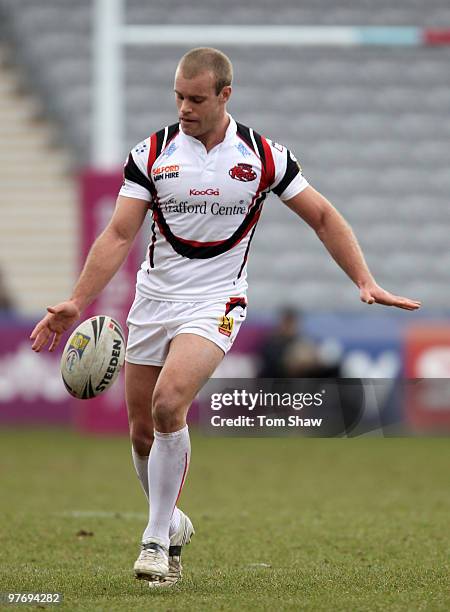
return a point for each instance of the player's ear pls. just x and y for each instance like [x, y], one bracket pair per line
[225, 94]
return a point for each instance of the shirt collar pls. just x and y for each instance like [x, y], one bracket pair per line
[231, 129]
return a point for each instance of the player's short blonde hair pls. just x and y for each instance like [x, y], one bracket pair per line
[204, 59]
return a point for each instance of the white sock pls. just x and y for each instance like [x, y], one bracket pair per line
[141, 467]
[167, 468]
[175, 519]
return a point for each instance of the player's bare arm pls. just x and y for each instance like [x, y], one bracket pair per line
[339, 239]
[106, 256]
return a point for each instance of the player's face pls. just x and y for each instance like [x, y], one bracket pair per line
[200, 109]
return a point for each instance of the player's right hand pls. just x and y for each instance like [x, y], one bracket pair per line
[58, 319]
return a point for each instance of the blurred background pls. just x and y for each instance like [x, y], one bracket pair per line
[364, 104]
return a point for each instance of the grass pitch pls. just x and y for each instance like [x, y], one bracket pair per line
[287, 524]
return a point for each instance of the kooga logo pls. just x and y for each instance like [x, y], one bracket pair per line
[209, 191]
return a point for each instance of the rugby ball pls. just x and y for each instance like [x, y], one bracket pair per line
[93, 357]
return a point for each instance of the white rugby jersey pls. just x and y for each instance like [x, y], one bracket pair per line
[205, 208]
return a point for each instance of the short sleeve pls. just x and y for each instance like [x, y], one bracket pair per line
[136, 183]
[289, 180]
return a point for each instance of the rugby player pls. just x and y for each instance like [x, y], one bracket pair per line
[204, 179]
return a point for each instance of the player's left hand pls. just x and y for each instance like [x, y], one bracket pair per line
[373, 293]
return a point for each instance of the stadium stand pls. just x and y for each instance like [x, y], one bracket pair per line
[38, 201]
[369, 125]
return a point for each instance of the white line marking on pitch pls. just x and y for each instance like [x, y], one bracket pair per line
[102, 514]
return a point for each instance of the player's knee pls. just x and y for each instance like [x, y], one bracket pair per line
[168, 409]
[141, 438]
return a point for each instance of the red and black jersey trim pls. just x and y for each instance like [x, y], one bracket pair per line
[158, 140]
[244, 261]
[233, 303]
[132, 173]
[151, 248]
[262, 150]
[292, 169]
[172, 131]
[244, 134]
[193, 249]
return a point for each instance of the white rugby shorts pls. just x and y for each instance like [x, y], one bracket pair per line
[152, 324]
